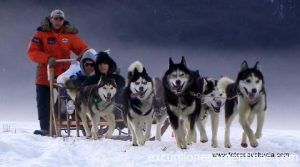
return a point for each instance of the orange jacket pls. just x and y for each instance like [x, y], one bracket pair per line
[47, 43]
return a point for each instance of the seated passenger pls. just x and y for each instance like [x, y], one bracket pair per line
[80, 71]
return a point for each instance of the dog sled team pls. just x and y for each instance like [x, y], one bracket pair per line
[183, 96]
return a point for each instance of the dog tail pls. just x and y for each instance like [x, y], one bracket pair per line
[224, 82]
[71, 87]
[136, 65]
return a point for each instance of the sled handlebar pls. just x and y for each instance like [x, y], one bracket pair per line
[49, 73]
[65, 60]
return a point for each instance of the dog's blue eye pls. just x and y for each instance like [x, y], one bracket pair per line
[144, 83]
[257, 81]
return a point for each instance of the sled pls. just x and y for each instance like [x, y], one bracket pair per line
[60, 122]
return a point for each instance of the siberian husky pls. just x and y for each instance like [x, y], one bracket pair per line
[139, 97]
[95, 101]
[183, 108]
[247, 97]
[212, 101]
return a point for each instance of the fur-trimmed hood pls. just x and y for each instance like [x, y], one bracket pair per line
[67, 27]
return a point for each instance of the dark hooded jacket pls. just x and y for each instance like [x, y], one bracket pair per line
[104, 57]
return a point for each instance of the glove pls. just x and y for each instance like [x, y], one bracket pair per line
[51, 61]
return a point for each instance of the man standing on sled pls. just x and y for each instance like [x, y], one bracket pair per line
[54, 39]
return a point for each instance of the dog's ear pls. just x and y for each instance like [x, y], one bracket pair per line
[129, 76]
[171, 63]
[215, 82]
[135, 71]
[114, 83]
[183, 62]
[258, 66]
[99, 82]
[144, 71]
[244, 66]
[204, 88]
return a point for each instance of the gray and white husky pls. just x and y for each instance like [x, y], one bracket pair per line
[95, 101]
[212, 101]
[139, 97]
[247, 97]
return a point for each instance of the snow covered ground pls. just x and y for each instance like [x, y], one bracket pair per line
[19, 147]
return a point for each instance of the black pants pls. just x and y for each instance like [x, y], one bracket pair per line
[43, 105]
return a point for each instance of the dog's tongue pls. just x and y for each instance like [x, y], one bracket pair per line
[133, 95]
[108, 100]
[217, 109]
[251, 96]
[175, 87]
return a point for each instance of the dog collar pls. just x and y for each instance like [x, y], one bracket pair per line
[97, 101]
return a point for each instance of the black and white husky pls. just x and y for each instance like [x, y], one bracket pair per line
[95, 101]
[212, 100]
[183, 108]
[139, 98]
[247, 97]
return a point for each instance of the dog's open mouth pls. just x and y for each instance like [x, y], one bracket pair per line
[177, 88]
[250, 96]
[141, 94]
[108, 99]
[216, 108]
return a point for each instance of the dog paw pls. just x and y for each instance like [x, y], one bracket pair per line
[184, 147]
[254, 144]
[142, 142]
[227, 145]
[203, 140]
[244, 145]
[258, 135]
[88, 135]
[147, 137]
[214, 145]
[107, 136]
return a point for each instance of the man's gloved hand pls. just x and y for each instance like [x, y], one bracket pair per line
[51, 61]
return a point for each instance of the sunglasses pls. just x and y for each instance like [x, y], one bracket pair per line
[58, 18]
[89, 64]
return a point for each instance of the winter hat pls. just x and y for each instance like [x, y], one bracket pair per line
[57, 13]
